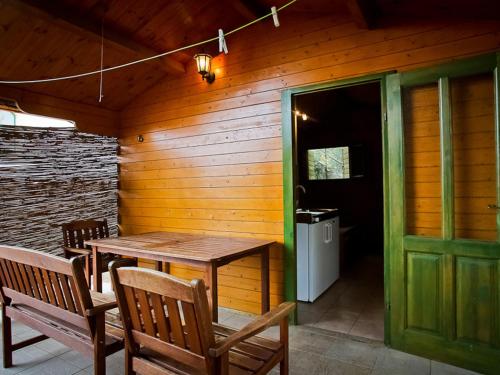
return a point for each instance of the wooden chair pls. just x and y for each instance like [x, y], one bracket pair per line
[76, 233]
[49, 294]
[168, 329]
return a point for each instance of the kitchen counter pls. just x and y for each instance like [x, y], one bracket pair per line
[315, 215]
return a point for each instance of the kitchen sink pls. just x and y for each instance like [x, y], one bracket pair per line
[315, 215]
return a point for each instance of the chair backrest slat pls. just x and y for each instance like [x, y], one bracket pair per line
[79, 239]
[145, 311]
[132, 308]
[48, 287]
[175, 322]
[32, 281]
[192, 335]
[68, 297]
[164, 314]
[4, 274]
[162, 322]
[11, 274]
[20, 280]
[74, 293]
[40, 284]
[72, 239]
[57, 290]
[24, 278]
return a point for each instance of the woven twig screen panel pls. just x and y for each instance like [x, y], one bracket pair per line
[52, 176]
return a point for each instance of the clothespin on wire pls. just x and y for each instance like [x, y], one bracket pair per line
[275, 17]
[222, 42]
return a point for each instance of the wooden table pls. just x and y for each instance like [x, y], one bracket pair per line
[206, 252]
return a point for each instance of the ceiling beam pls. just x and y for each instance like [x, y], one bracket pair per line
[363, 12]
[56, 12]
[249, 9]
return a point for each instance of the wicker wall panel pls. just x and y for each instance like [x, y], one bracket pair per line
[52, 176]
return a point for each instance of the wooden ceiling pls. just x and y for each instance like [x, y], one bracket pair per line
[42, 39]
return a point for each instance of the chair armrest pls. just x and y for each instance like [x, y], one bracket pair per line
[251, 329]
[99, 309]
[102, 303]
[74, 250]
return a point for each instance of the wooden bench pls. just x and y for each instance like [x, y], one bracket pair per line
[169, 330]
[50, 295]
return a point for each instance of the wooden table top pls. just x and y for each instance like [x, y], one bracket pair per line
[181, 245]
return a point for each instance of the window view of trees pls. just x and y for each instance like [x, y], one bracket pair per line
[328, 163]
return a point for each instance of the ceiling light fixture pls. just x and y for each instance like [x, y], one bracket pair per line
[204, 64]
[301, 115]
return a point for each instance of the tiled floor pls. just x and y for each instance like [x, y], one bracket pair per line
[354, 305]
[312, 351]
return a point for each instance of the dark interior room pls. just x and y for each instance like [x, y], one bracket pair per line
[348, 116]
[339, 166]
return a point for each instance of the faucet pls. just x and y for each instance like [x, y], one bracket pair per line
[301, 187]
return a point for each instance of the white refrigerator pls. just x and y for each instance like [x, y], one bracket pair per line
[317, 258]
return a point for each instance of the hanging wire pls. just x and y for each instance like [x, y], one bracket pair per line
[102, 61]
[139, 61]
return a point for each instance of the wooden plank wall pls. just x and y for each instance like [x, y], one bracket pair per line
[423, 160]
[472, 102]
[474, 156]
[89, 119]
[211, 160]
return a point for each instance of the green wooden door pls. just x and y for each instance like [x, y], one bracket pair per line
[443, 248]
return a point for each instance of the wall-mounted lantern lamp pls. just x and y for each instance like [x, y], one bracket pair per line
[204, 64]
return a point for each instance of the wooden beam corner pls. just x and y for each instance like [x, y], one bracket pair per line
[363, 12]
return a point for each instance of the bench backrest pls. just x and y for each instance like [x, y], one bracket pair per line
[45, 282]
[165, 314]
[79, 231]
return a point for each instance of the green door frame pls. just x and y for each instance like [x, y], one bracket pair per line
[289, 181]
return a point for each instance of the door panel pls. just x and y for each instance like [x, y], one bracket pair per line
[443, 162]
[477, 311]
[424, 305]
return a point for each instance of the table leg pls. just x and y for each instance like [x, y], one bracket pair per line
[265, 294]
[96, 270]
[211, 281]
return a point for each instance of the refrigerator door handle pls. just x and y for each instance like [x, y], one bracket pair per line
[327, 232]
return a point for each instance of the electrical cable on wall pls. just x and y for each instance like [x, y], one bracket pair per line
[220, 37]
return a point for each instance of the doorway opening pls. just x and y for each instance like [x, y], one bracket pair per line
[338, 203]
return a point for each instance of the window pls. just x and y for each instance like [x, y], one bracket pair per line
[328, 163]
[25, 119]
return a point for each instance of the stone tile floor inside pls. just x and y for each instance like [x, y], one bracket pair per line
[353, 305]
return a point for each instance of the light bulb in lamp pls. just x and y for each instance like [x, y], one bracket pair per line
[204, 66]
